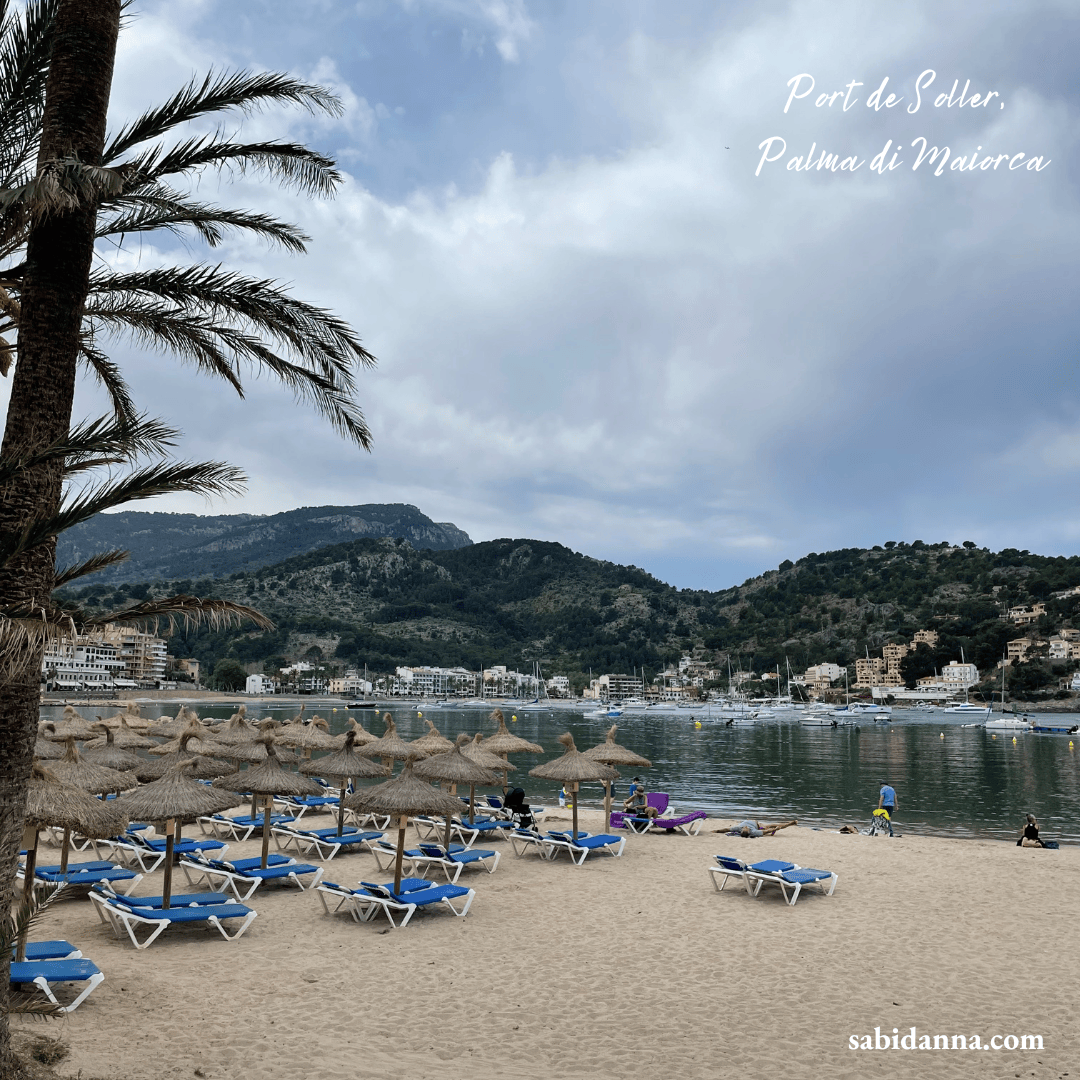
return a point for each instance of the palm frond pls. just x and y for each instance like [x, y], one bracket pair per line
[59, 186]
[218, 92]
[101, 561]
[93, 443]
[166, 209]
[289, 164]
[108, 375]
[190, 611]
[202, 478]
[27, 914]
[25, 46]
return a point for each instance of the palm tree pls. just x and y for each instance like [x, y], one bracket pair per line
[65, 185]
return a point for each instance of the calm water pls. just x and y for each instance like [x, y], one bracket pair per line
[965, 784]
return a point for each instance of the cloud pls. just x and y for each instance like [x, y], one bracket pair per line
[639, 348]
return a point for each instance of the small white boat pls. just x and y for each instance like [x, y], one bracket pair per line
[1006, 723]
[967, 709]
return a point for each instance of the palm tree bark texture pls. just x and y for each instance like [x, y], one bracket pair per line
[56, 281]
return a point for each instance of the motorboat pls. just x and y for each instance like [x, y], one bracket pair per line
[968, 709]
[1007, 723]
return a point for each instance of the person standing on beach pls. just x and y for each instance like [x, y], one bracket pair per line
[887, 801]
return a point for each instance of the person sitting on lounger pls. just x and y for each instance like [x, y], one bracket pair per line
[638, 804]
[1030, 835]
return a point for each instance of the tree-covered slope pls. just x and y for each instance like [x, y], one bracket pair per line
[384, 603]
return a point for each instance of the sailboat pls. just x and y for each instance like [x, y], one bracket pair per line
[1005, 722]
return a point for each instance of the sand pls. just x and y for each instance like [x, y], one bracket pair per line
[622, 967]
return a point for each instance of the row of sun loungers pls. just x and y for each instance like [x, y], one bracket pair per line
[786, 875]
[414, 894]
[548, 845]
[127, 915]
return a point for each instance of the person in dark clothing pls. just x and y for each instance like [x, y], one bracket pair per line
[1030, 836]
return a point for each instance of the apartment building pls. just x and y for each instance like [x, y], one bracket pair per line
[1022, 615]
[115, 657]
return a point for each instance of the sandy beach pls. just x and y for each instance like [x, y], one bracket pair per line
[621, 967]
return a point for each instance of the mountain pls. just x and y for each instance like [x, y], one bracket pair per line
[384, 603]
[178, 546]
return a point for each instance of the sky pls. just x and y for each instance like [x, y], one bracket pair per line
[601, 318]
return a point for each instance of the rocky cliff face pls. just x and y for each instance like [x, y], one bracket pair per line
[180, 546]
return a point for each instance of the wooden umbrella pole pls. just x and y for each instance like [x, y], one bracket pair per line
[447, 841]
[266, 829]
[403, 821]
[573, 792]
[170, 844]
[30, 842]
[607, 806]
[341, 806]
[64, 851]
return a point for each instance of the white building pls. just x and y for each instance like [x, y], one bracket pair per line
[351, 684]
[559, 686]
[958, 676]
[85, 666]
[262, 684]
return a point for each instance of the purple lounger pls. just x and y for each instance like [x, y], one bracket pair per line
[690, 824]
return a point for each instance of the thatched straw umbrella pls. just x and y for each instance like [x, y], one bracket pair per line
[72, 726]
[236, 717]
[571, 769]
[269, 779]
[52, 803]
[401, 797]
[391, 746]
[432, 742]
[197, 739]
[254, 753]
[476, 753]
[237, 730]
[95, 779]
[307, 737]
[454, 767]
[363, 736]
[503, 743]
[129, 718]
[344, 765]
[609, 752]
[123, 736]
[109, 754]
[46, 749]
[166, 727]
[175, 798]
[205, 768]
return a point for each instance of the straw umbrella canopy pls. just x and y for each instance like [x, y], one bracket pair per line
[344, 765]
[237, 730]
[611, 753]
[454, 767]
[52, 803]
[128, 718]
[307, 737]
[572, 768]
[175, 798]
[432, 742]
[391, 746]
[503, 743]
[71, 726]
[237, 716]
[401, 797]
[169, 727]
[95, 779]
[123, 736]
[363, 736]
[198, 739]
[109, 754]
[205, 768]
[44, 748]
[269, 779]
[476, 752]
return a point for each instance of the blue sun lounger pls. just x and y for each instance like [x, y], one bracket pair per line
[360, 903]
[414, 899]
[84, 876]
[786, 875]
[45, 973]
[582, 846]
[124, 919]
[177, 900]
[147, 854]
[325, 842]
[453, 862]
[244, 876]
[49, 950]
[240, 828]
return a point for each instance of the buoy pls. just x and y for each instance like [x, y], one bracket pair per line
[419, 714]
[942, 735]
[993, 736]
[513, 719]
[1014, 738]
[697, 724]
[1070, 744]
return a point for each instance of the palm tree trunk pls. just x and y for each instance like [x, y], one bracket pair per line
[55, 284]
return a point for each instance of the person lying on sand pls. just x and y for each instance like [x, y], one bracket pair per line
[756, 828]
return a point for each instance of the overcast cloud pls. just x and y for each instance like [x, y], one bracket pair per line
[595, 325]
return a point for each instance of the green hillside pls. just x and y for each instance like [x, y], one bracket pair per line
[384, 603]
